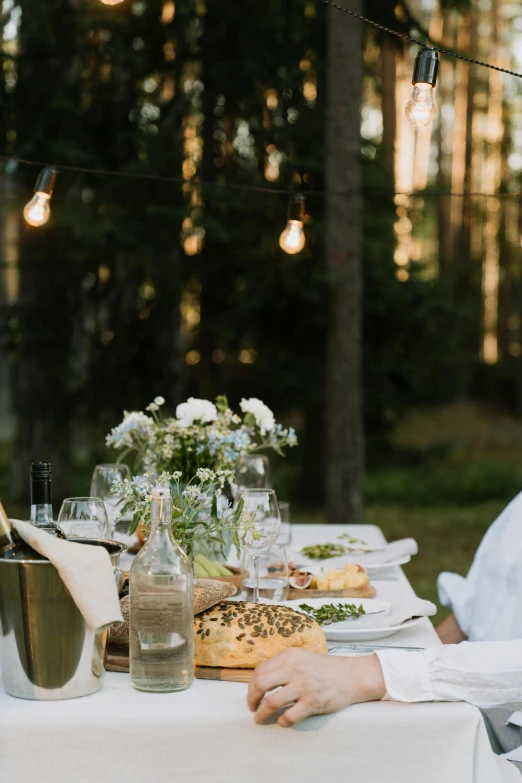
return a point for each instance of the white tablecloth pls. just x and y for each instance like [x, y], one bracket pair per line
[207, 734]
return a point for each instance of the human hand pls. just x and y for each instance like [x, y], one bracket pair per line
[312, 684]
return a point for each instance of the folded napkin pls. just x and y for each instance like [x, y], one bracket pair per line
[85, 570]
[394, 551]
[399, 612]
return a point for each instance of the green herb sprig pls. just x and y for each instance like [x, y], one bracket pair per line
[333, 613]
[325, 551]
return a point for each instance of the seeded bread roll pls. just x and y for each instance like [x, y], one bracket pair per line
[239, 634]
[207, 592]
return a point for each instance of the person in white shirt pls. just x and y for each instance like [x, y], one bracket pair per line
[485, 671]
[482, 673]
[486, 604]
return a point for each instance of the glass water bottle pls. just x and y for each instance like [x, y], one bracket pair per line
[161, 627]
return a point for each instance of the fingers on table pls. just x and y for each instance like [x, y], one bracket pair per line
[275, 701]
[266, 677]
[296, 713]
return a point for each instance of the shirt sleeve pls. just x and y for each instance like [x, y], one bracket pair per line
[482, 673]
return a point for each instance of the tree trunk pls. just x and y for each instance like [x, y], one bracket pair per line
[344, 417]
[389, 55]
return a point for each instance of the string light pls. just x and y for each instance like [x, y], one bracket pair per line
[111, 2]
[38, 211]
[292, 239]
[421, 110]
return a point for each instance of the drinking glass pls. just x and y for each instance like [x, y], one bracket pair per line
[103, 478]
[84, 518]
[285, 533]
[273, 574]
[253, 472]
[260, 525]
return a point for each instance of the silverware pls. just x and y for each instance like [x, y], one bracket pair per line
[371, 647]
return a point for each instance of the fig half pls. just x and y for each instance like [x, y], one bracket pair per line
[300, 581]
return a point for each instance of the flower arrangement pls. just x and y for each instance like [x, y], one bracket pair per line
[196, 513]
[203, 434]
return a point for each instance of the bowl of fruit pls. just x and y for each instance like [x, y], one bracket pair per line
[204, 568]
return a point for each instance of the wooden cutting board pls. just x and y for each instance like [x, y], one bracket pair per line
[117, 660]
[368, 591]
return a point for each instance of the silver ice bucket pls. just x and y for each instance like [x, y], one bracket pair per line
[47, 650]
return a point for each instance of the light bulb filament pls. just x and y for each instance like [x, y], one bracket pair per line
[421, 110]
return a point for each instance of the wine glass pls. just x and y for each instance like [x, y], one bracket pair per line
[260, 524]
[273, 574]
[253, 472]
[285, 533]
[84, 518]
[103, 478]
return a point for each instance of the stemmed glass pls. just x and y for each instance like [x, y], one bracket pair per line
[273, 574]
[253, 472]
[84, 518]
[285, 534]
[103, 478]
[261, 523]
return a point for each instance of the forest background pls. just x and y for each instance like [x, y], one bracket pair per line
[393, 342]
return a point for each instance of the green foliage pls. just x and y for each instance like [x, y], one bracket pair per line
[96, 329]
[445, 482]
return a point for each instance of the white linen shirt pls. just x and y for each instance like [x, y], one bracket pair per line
[481, 673]
[488, 602]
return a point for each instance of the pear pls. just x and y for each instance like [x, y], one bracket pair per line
[199, 571]
[208, 565]
[223, 570]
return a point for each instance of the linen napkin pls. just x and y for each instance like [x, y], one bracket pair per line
[400, 611]
[85, 570]
[394, 551]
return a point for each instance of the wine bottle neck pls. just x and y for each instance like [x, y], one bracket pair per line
[41, 513]
[41, 492]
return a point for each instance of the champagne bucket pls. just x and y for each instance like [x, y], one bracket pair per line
[47, 650]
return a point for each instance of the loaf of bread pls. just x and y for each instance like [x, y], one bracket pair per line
[239, 634]
[207, 592]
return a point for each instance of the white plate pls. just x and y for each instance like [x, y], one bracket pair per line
[354, 630]
[318, 568]
[377, 567]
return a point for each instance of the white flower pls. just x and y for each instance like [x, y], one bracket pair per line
[152, 407]
[204, 474]
[191, 492]
[134, 422]
[195, 410]
[159, 401]
[263, 415]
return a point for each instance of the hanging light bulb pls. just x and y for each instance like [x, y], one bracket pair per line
[293, 239]
[38, 211]
[111, 2]
[421, 110]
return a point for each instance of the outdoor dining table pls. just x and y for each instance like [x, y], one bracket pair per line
[206, 734]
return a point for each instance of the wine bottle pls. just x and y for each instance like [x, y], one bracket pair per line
[41, 499]
[12, 547]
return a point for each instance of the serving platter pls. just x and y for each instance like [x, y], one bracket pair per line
[367, 591]
[117, 660]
